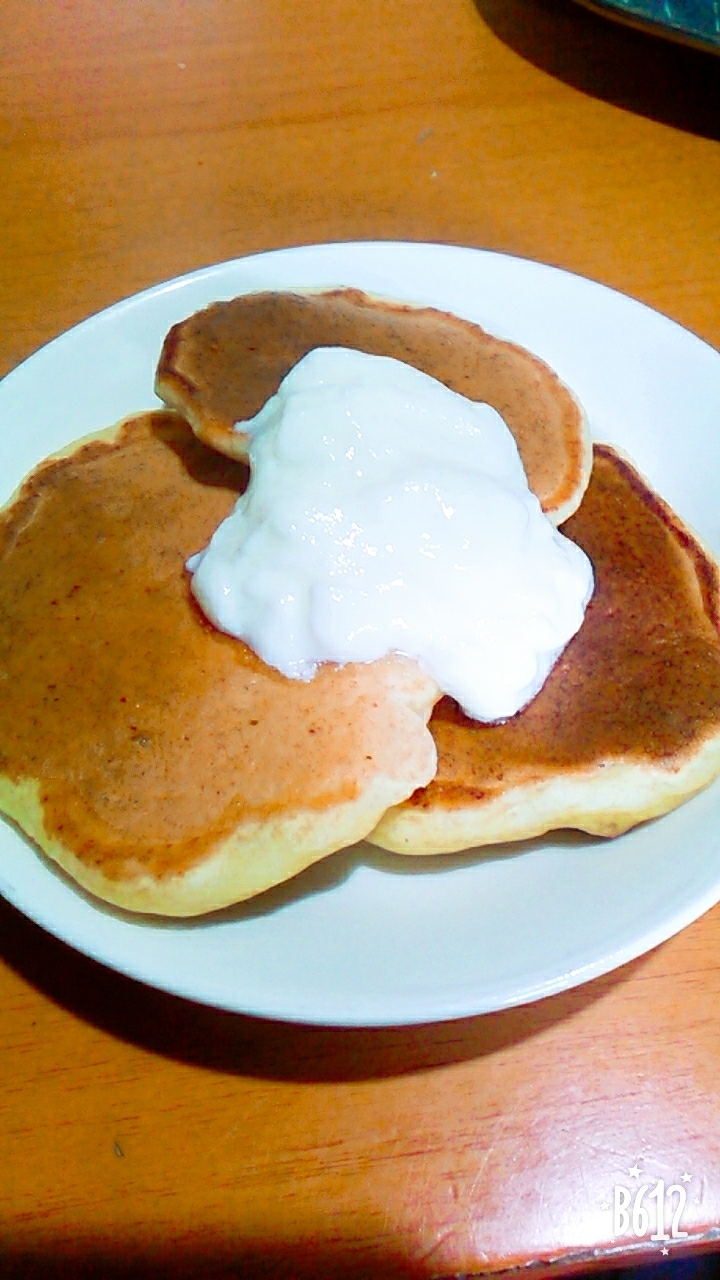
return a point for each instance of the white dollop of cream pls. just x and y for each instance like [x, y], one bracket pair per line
[386, 513]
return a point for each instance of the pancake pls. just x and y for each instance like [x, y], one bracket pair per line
[159, 762]
[220, 365]
[627, 725]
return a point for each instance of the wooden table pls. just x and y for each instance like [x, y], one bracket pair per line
[143, 1134]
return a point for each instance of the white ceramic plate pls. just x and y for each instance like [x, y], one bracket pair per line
[367, 938]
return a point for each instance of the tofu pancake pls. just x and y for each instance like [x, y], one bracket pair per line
[158, 761]
[627, 725]
[220, 365]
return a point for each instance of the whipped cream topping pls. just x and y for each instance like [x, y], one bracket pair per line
[386, 513]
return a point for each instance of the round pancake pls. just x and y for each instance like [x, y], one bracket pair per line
[158, 761]
[627, 725]
[220, 365]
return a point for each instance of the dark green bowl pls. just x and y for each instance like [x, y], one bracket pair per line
[694, 22]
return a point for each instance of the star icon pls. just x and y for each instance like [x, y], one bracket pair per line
[605, 1205]
[664, 1252]
[634, 1172]
[687, 1177]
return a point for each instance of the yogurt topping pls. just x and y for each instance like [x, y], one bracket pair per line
[386, 513]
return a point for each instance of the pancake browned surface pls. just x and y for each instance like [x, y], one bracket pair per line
[220, 365]
[627, 725]
[162, 764]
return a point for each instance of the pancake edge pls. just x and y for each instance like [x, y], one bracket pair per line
[106, 435]
[256, 857]
[607, 800]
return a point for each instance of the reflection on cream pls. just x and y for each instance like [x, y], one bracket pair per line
[387, 513]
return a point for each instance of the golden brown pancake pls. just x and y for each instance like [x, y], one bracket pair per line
[220, 365]
[627, 725]
[158, 761]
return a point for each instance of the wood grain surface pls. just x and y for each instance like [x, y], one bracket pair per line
[140, 1134]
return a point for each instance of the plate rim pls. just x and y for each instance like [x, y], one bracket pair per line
[173, 284]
